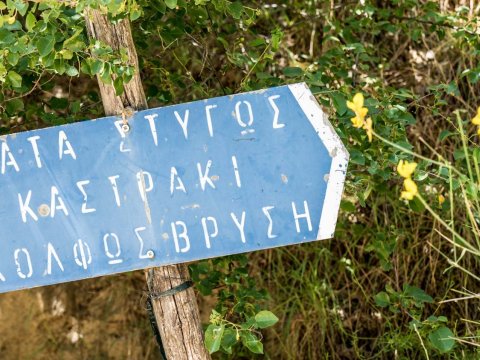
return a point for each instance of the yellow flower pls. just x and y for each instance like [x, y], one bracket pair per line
[368, 127]
[406, 169]
[410, 189]
[357, 122]
[356, 105]
[476, 119]
[441, 199]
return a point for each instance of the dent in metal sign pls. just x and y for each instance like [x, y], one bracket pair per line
[209, 178]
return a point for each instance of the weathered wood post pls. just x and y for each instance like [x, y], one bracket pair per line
[176, 314]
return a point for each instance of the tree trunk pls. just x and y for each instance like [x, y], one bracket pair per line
[177, 315]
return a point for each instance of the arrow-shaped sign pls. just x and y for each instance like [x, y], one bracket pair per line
[209, 178]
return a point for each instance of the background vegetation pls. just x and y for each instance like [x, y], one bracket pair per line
[399, 280]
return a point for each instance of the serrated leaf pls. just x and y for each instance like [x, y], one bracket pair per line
[442, 339]
[213, 337]
[265, 319]
[15, 79]
[418, 294]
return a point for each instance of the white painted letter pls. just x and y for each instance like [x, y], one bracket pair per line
[239, 116]
[235, 169]
[142, 184]
[113, 181]
[271, 99]
[118, 125]
[153, 128]
[305, 215]
[209, 118]
[205, 229]
[204, 179]
[36, 153]
[173, 176]
[84, 258]
[141, 255]
[266, 211]
[240, 225]
[183, 122]
[63, 141]
[114, 257]
[11, 160]
[80, 185]
[25, 208]
[182, 235]
[20, 273]
[53, 203]
[52, 252]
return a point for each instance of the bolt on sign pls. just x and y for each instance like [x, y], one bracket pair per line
[209, 178]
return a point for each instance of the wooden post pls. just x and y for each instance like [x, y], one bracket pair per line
[177, 315]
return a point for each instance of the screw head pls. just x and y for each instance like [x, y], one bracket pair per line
[44, 210]
[150, 254]
[125, 128]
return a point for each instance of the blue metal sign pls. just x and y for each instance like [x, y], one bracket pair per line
[209, 178]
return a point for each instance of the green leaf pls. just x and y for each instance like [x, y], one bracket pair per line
[96, 66]
[58, 103]
[15, 79]
[13, 58]
[340, 103]
[293, 71]
[265, 319]
[22, 7]
[135, 14]
[30, 21]
[251, 342]
[45, 45]
[235, 9]
[72, 71]
[442, 339]
[171, 4]
[229, 339]
[382, 299]
[213, 337]
[74, 42]
[356, 157]
[118, 85]
[255, 346]
[418, 294]
[14, 106]
[347, 206]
